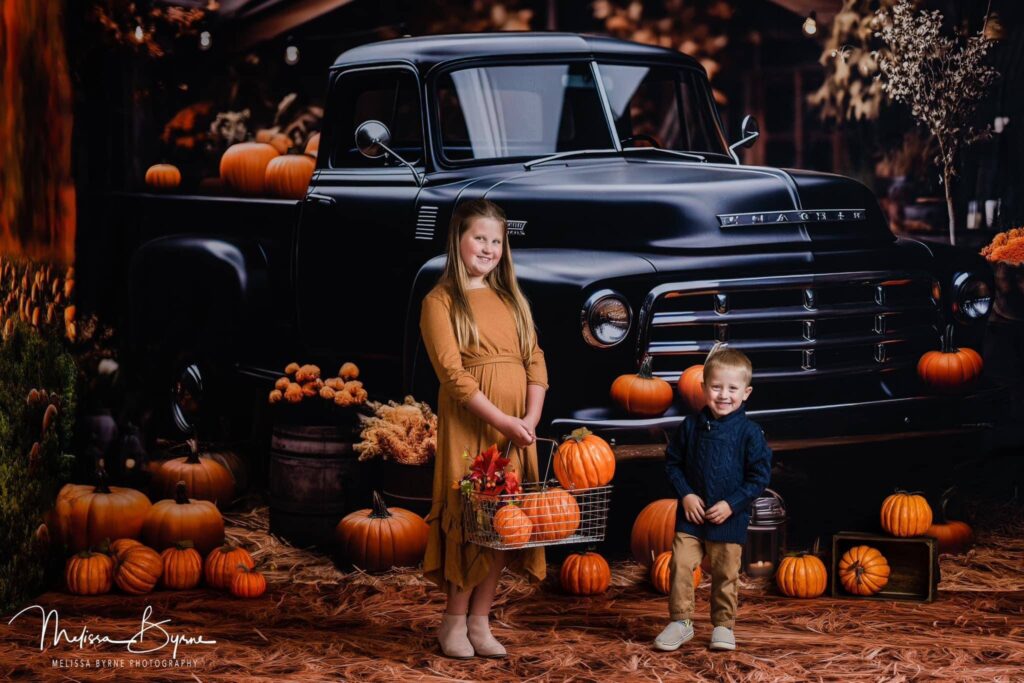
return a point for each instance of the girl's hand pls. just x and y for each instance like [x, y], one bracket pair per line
[517, 431]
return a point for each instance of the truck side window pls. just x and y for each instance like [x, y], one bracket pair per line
[388, 96]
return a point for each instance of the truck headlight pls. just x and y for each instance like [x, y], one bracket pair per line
[605, 318]
[972, 298]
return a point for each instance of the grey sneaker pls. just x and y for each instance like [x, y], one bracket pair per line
[674, 635]
[723, 639]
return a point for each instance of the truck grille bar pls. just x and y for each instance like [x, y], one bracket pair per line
[793, 326]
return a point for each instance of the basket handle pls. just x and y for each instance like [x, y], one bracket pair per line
[551, 456]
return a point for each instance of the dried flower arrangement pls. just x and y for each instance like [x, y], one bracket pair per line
[487, 475]
[303, 381]
[942, 79]
[1006, 247]
[404, 432]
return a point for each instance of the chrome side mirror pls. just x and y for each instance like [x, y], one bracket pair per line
[373, 139]
[749, 132]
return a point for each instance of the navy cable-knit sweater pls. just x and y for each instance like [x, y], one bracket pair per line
[726, 459]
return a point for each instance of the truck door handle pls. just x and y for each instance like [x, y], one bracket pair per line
[321, 199]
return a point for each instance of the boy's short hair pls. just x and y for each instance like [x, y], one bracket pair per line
[721, 356]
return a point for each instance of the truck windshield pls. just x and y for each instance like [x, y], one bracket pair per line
[501, 112]
[660, 106]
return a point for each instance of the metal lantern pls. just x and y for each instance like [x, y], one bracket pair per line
[766, 535]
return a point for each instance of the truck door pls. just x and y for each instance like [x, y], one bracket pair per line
[355, 246]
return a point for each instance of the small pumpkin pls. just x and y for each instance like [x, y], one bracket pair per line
[953, 535]
[313, 144]
[89, 573]
[244, 166]
[205, 478]
[182, 518]
[585, 574]
[554, 513]
[288, 176]
[691, 387]
[906, 514]
[138, 570]
[86, 515]
[584, 460]
[654, 530]
[248, 583]
[121, 546]
[222, 564]
[379, 538]
[863, 570]
[163, 176]
[801, 575]
[183, 566]
[512, 525]
[661, 573]
[642, 394]
[950, 370]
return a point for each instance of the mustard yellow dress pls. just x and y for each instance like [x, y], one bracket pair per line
[497, 369]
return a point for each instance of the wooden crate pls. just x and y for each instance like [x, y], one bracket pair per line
[914, 565]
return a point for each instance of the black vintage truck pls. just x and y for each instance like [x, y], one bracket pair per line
[635, 230]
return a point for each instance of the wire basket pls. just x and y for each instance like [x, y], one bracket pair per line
[542, 514]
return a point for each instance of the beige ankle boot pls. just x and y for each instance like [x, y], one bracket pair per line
[452, 637]
[482, 640]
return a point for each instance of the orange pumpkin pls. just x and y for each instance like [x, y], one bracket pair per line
[642, 394]
[86, 515]
[906, 514]
[801, 576]
[244, 167]
[122, 545]
[248, 583]
[953, 535]
[512, 525]
[654, 530]
[585, 574]
[378, 538]
[863, 570]
[89, 573]
[691, 388]
[163, 176]
[222, 565]
[182, 519]
[139, 570]
[584, 461]
[288, 176]
[183, 566]
[313, 144]
[950, 370]
[661, 573]
[554, 513]
[205, 478]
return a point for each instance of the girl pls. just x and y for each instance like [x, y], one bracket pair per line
[479, 334]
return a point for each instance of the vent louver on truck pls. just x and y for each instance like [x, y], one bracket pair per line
[426, 221]
[793, 326]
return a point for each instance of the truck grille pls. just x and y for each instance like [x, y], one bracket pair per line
[794, 326]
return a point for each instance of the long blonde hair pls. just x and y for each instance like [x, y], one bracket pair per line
[502, 279]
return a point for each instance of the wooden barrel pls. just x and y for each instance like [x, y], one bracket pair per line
[314, 481]
[408, 486]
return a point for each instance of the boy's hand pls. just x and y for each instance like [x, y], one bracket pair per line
[693, 508]
[719, 512]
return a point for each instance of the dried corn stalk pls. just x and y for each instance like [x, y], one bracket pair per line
[404, 432]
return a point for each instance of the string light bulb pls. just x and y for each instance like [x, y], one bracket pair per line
[810, 26]
[291, 55]
[205, 40]
[139, 33]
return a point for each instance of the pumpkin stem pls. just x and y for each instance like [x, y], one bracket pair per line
[380, 509]
[947, 341]
[645, 368]
[193, 456]
[181, 493]
[579, 434]
[185, 545]
[102, 481]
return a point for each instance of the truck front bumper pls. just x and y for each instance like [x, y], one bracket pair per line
[801, 428]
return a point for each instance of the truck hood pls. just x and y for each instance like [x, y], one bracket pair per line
[680, 207]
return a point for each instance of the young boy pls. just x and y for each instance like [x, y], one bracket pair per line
[718, 463]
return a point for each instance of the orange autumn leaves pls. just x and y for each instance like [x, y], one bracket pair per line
[304, 381]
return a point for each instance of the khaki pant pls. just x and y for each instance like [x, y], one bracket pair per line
[687, 553]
